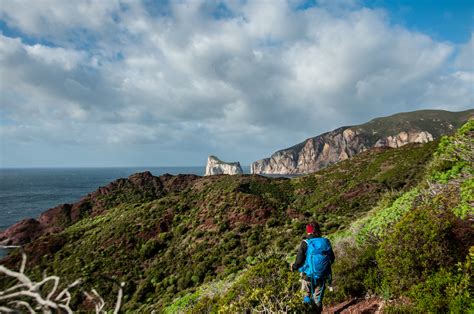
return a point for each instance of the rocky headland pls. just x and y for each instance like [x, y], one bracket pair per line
[216, 166]
[394, 131]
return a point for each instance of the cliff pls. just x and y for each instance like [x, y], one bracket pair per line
[216, 166]
[394, 131]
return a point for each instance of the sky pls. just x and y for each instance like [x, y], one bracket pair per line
[167, 83]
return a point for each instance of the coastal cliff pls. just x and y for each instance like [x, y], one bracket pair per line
[394, 131]
[216, 166]
[139, 187]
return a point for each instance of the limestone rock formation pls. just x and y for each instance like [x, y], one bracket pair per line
[216, 166]
[404, 138]
[313, 154]
[394, 131]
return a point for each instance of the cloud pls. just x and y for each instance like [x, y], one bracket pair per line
[465, 58]
[240, 78]
[51, 18]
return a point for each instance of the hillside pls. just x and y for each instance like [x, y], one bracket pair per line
[398, 220]
[318, 152]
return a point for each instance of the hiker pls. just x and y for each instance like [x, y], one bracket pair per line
[313, 261]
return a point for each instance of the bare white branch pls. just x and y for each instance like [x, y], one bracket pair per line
[18, 286]
[118, 304]
[66, 308]
[100, 303]
[25, 304]
[28, 294]
[23, 261]
[21, 277]
[66, 290]
[4, 309]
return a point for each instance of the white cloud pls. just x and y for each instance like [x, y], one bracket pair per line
[66, 59]
[53, 17]
[261, 77]
[447, 90]
[465, 58]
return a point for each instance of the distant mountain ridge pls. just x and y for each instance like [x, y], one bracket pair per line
[396, 130]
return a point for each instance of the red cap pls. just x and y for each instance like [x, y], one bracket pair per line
[309, 228]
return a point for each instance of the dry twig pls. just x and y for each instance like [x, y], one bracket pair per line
[30, 295]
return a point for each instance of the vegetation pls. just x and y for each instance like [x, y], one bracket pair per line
[445, 291]
[398, 220]
[436, 122]
[422, 239]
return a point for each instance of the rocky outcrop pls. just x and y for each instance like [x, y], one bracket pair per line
[404, 138]
[216, 166]
[139, 187]
[319, 152]
[313, 154]
[395, 131]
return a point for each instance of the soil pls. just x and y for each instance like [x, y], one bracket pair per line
[364, 306]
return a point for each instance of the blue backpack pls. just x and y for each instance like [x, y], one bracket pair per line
[318, 262]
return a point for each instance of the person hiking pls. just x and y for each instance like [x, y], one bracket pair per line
[313, 261]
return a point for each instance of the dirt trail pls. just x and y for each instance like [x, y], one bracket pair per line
[365, 306]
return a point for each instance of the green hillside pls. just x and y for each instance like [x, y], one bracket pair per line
[436, 122]
[398, 219]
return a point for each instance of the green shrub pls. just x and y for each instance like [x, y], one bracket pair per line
[150, 248]
[399, 308]
[465, 207]
[445, 291]
[454, 155]
[355, 273]
[419, 245]
[182, 303]
[379, 223]
[269, 284]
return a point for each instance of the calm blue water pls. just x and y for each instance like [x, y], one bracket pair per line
[26, 193]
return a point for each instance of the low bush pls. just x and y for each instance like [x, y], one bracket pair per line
[420, 244]
[465, 208]
[379, 223]
[445, 291]
[355, 273]
[268, 286]
[453, 156]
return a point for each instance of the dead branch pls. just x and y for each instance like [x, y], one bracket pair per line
[26, 294]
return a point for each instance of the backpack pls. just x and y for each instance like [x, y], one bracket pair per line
[318, 263]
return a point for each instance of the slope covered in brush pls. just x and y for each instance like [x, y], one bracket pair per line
[414, 248]
[211, 229]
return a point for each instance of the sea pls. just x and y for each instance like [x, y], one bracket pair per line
[27, 192]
